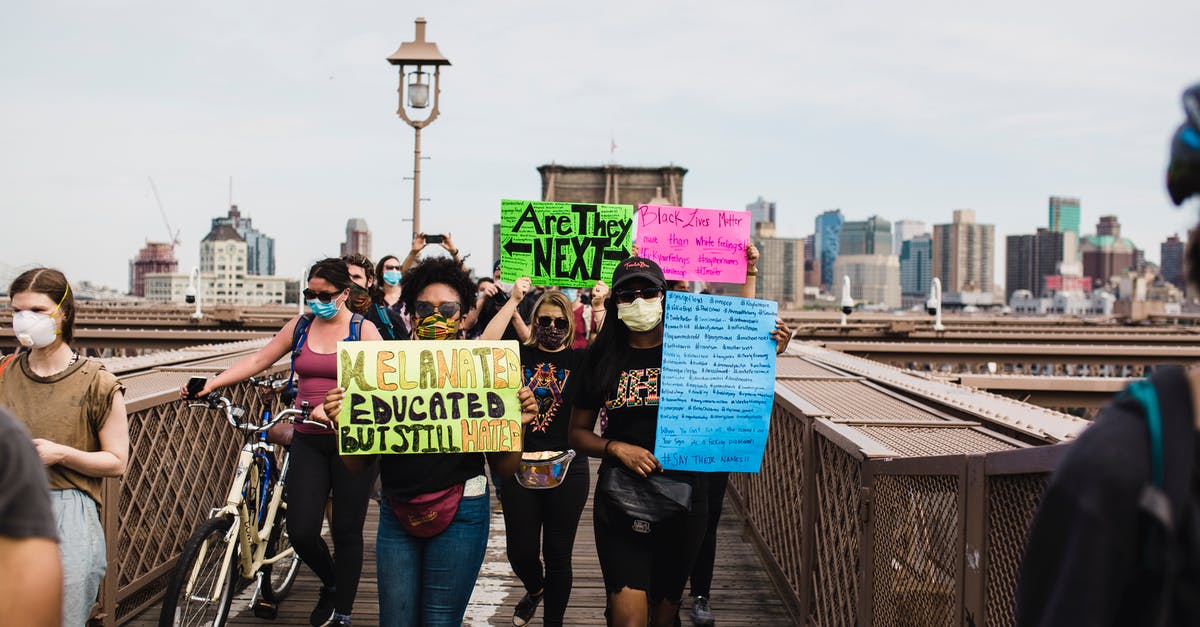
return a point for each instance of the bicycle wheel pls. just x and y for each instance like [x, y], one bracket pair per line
[280, 575]
[193, 599]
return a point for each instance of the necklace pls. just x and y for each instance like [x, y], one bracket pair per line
[74, 358]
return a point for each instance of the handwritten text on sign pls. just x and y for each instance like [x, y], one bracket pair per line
[718, 383]
[695, 244]
[564, 244]
[429, 397]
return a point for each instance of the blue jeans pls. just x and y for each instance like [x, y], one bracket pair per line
[84, 559]
[428, 581]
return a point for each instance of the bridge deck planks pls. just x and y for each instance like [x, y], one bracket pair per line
[742, 592]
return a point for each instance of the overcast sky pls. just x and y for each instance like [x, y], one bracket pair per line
[907, 110]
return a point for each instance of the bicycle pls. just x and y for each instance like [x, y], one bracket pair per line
[245, 540]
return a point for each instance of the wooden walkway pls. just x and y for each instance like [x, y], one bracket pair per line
[742, 592]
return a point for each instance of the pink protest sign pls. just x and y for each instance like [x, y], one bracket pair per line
[695, 244]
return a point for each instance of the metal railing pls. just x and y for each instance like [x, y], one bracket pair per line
[180, 465]
[889, 520]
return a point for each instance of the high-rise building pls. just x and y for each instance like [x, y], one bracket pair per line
[358, 238]
[916, 265]
[812, 263]
[224, 272]
[872, 236]
[260, 249]
[1064, 214]
[781, 267]
[874, 279]
[1106, 254]
[154, 257]
[1029, 259]
[1171, 262]
[963, 253]
[903, 230]
[761, 211]
[825, 239]
[615, 184]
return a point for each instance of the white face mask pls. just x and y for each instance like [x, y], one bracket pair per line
[33, 329]
[641, 315]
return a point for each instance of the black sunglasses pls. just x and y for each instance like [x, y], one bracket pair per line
[646, 293]
[425, 309]
[321, 296]
[546, 321]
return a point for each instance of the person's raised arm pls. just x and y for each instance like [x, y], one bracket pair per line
[499, 322]
[749, 288]
[599, 293]
[413, 254]
[256, 362]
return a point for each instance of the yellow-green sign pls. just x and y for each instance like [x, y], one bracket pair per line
[561, 243]
[429, 397]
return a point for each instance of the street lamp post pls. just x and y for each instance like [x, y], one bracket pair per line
[418, 54]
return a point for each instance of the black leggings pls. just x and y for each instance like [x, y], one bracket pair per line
[315, 470]
[549, 517]
[702, 571]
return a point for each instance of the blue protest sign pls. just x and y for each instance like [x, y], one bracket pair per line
[718, 383]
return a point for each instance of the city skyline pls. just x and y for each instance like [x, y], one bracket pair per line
[910, 114]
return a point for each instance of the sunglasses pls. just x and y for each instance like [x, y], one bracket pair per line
[424, 309]
[391, 267]
[646, 293]
[547, 321]
[321, 296]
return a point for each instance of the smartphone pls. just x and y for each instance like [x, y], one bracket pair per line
[435, 239]
[194, 385]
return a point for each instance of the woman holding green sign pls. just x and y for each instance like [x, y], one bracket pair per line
[649, 523]
[434, 517]
[545, 498]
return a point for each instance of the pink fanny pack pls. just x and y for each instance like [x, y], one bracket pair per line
[427, 515]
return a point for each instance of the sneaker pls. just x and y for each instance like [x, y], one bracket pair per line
[701, 613]
[526, 608]
[322, 614]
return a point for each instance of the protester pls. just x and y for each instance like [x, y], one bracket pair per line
[419, 244]
[30, 568]
[75, 410]
[646, 544]
[427, 579]
[580, 312]
[366, 298]
[389, 269]
[1116, 538]
[316, 468]
[544, 501]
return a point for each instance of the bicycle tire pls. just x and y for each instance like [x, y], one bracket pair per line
[279, 577]
[208, 542]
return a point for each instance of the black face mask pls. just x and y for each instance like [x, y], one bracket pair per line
[360, 299]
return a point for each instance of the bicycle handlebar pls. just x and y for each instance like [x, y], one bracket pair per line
[233, 413]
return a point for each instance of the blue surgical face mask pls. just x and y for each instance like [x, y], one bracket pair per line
[324, 311]
[392, 277]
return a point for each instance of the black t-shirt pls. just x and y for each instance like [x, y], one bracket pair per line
[407, 476]
[632, 406]
[24, 493]
[553, 378]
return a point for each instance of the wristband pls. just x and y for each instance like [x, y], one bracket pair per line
[606, 445]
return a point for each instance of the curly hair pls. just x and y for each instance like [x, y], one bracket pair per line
[431, 271]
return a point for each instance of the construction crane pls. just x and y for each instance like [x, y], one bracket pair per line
[172, 236]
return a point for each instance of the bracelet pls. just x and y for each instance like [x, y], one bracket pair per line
[453, 253]
[606, 445]
[749, 273]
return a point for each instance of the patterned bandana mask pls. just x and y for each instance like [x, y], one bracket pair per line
[549, 337]
[436, 327]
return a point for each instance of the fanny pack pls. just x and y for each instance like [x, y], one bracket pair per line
[544, 469]
[427, 515]
[653, 499]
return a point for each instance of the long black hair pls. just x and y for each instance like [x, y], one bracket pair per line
[608, 352]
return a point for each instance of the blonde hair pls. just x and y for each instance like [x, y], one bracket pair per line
[557, 299]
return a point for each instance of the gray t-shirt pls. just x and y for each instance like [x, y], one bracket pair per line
[24, 493]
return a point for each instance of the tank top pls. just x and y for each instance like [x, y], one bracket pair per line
[318, 375]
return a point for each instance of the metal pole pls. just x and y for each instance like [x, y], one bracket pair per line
[416, 216]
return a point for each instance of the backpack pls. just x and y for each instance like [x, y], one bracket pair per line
[299, 335]
[1165, 503]
[385, 319]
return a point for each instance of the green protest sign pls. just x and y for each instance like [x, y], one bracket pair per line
[561, 243]
[451, 396]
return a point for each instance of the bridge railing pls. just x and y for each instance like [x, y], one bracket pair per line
[180, 466]
[867, 522]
